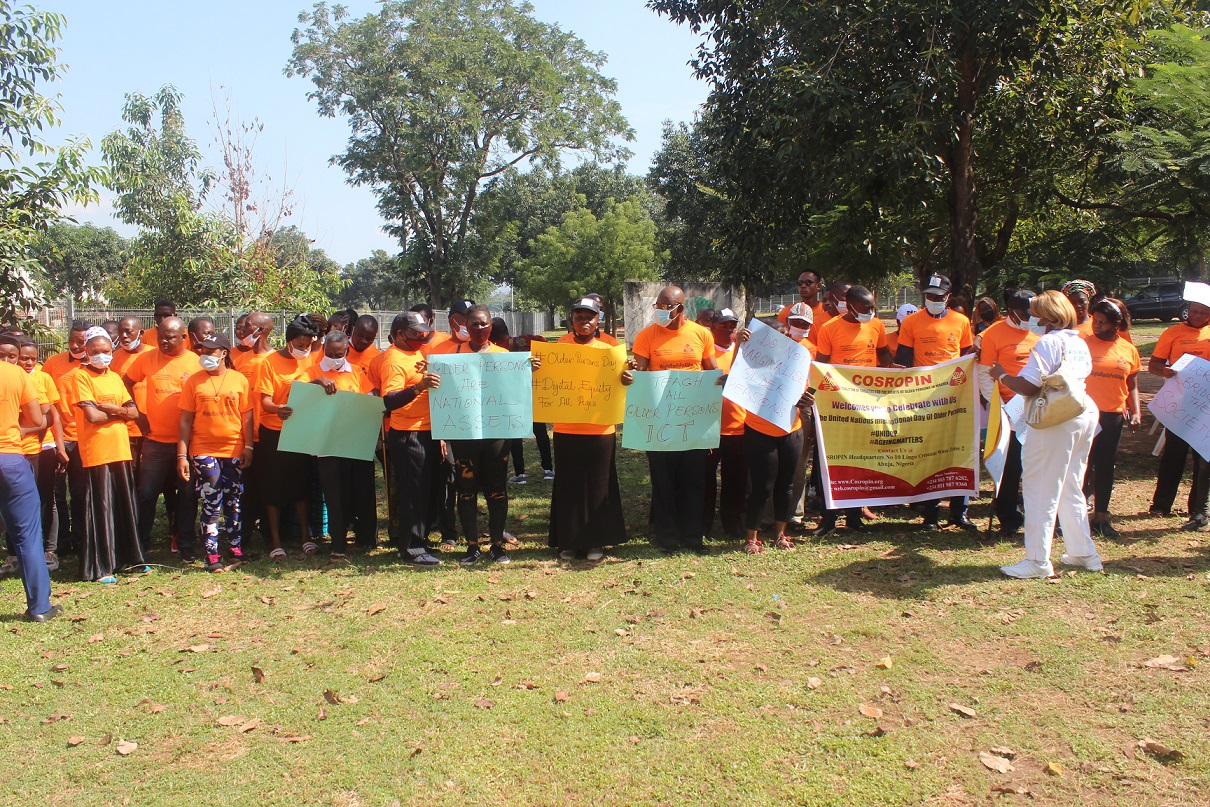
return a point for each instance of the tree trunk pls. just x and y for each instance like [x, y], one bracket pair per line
[962, 200]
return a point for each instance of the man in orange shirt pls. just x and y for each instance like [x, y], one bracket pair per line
[672, 342]
[810, 290]
[729, 456]
[165, 371]
[362, 349]
[58, 367]
[163, 310]
[927, 338]
[130, 346]
[1193, 337]
[1007, 342]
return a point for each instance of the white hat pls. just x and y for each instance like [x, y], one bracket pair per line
[904, 310]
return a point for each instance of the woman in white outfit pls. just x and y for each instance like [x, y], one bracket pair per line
[1053, 460]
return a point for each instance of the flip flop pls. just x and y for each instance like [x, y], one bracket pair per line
[310, 548]
[108, 579]
[277, 554]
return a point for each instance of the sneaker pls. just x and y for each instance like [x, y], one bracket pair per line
[448, 545]
[754, 547]
[310, 547]
[548, 475]
[930, 526]
[214, 563]
[473, 554]
[826, 527]
[1090, 562]
[567, 554]
[517, 479]
[596, 554]
[52, 562]
[499, 555]
[10, 565]
[1029, 570]
[187, 556]
[782, 542]
[237, 554]
[174, 548]
[421, 557]
[1195, 523]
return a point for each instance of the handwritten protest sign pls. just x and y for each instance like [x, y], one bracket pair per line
[483, 396]
[579, 384]
[769, 375]
[342, 425]
[1183, 403]
[895, 436]
[673, 410]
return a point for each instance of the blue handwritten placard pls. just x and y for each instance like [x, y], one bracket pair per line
[673, 410]
[483, 396]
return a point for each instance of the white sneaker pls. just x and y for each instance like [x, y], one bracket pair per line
[1028, 570]
[517, 479]
[548, 475]
[1090, 562]
[567, 554]
[596, 554]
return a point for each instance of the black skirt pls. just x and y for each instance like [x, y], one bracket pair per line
[283, 477]
[586, 501]
[109, 536]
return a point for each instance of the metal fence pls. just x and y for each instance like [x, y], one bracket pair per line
[889, 298]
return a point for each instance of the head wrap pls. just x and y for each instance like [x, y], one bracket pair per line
[300, 326]
[94, 332]
[1085, 287]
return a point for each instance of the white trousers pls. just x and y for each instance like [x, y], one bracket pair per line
[1052, 464]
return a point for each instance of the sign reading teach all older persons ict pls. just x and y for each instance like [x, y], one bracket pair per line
[483, 396]
[579, 384]
[1183, 403]
[895, 436]
[768, 375]
[673, 410]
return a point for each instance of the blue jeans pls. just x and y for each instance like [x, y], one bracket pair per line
[21, 508]
[157, 465]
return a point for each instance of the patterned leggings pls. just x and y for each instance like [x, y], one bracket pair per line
[220, 487]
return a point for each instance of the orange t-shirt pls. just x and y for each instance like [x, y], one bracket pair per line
[59, 365]
[1112, 363]
[765, 427]
[586, 428]
[218, 404]
[733, 414]
[683, 349]
[16, 390]
[165, 376]
[122, 361]
[65, 385]
[353, 381]
[101, 443]
[245, 362]
[47, 395]
[393, 370]
[854, 344]
[892, 342]
[934, 340]
[273, 378]
[602, 337]
[454, 346]
[819, 314]
[363, 358]
[1008, 345]
[1181, 339]
[1085, 330]
[439, 338]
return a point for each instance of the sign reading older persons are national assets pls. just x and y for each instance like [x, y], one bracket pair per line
[895, 436]
[768, 375]
[579, 384]
[483, 396]
[673, 410]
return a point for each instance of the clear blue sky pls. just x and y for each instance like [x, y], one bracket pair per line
[240, 48]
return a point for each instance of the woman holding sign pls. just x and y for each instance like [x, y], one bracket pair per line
[586, 502]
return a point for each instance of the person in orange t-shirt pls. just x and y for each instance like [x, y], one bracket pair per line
[810, 290]
[109, 536]
[728, 458]
[586, 500]
[348, 484]
[362, 349]
[130, 346]
[58, 367]
[1113, 387]
[215, 444]
[165, 371]
[1080, 293]
[678, 478]
[283, 477]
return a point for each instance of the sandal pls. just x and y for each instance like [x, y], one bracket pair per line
[277, 554]
[310, 548]
[785, 543]
[754, 547]
[108, 579]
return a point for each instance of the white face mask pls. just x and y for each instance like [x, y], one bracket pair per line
[330, 365]
[797, 333]
[135, 345]
[211, 362]
[249, 341]
[1020, 324]
[100, 360]
[663, 318]
[1036, 327]
[76, 354]
[462, 334]
[300, 354]
[935, 307]
[842, 306]
[866, 317]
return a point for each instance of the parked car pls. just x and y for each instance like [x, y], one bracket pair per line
[1162, 301]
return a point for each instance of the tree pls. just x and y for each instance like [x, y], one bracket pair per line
[78, 260]
[443, 95]
[586, 253]
[906, 130]
[694, 206]
[375, 282]
[32, 193]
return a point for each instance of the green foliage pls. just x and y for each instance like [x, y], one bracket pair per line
[586, 253]
[376, 283]
[78, 260]
[36, 179]
[442, 95]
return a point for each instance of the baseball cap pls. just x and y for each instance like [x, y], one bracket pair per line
[416, 321]
[801, 311]
[1018, 299]
[461, 307]
[904, 311]
[938, 284]
[587, 304]
[215, 341]
[725, 315]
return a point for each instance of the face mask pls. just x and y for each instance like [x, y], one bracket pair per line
[211, 362]
[1020, 324]
[866, 317]
[842, 306]
[100, 360]
[663, 318]
[1036, 327]
[797, 333]
[76, 353]
[135, 345]
[462, 334]
[329, 365]
[935, 307]
[300, 354]
[249, 341]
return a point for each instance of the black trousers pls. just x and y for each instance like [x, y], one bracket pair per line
[47, 476]
[852, 515]
[157, 468]
[772, 463]
[1099, 476]
[1008, 500]
[1168, 478]
[729, 494]
[542, 438]
[418, 473]
[932, 508]
[348, 487]
[482, 467]
[677, 489]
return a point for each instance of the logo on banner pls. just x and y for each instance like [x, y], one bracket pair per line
[958, 378]
[828, 385]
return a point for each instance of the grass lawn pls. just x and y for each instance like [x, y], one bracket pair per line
[640, 680]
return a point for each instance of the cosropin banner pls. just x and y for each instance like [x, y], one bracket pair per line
[895, 436]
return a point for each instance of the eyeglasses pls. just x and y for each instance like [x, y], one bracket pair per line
[668, 307]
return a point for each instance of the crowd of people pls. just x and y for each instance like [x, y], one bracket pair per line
[93, 437]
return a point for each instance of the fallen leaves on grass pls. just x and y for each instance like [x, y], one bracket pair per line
[814, 683]
[231, 720]
[1011, 790]
[869, 711]
[251, 724]
[1160, 751]
[96, 637]
[1173, 663]
[376, 609]
[197, 648]
[258, 675]
[61, 667]
[125, 748]
[55, 718]
[965, 711]
[156, 708]
[885, 663]
[591, 678]
[561, 696]
[995, 763]
[208, 594]
[332, 698]
[1053, 769]
[74, 740]
[483, 703]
